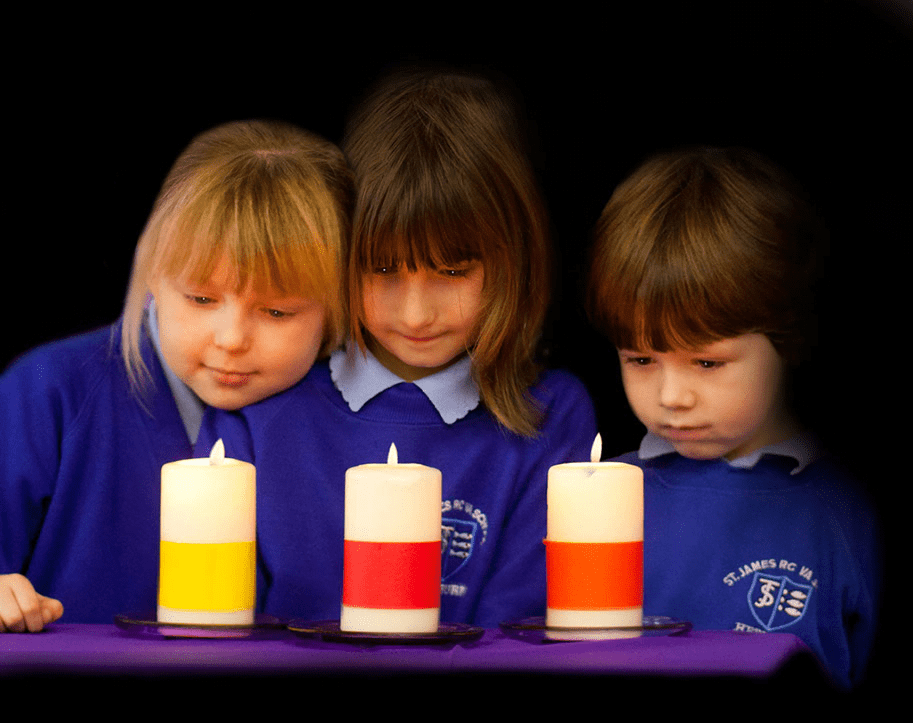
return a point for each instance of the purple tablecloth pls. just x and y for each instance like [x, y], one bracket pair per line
[105, 650]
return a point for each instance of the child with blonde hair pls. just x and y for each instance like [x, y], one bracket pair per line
[447, 284]
[233, 295]
[702, 276]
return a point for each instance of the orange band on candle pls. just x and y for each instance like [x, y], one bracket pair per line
[594, 575]
[392, 575]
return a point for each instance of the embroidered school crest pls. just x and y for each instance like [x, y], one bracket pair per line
[458, 539]
[776, 601]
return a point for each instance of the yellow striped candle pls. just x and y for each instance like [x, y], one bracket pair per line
[207, 566]
[594, 544]
[392, 557]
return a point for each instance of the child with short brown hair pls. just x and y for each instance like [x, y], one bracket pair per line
[702, 276]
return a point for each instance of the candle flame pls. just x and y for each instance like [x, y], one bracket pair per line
[596, 451]
[217, 455]
[392, 456]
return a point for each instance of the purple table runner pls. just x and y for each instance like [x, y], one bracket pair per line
[106, 650]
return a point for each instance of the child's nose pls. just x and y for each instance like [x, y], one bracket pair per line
[231, 332]
[675, 392]
[418, 304]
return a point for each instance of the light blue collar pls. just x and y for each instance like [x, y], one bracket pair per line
[359, 377]
[190, 406]
[803, 448]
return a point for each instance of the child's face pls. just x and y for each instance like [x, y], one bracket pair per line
[419, 322]
[723, 400]
[234, 349]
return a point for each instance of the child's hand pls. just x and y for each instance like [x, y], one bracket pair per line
[22, 609]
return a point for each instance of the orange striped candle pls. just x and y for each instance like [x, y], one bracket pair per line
[392, 548]
[207, 566]
[594, 545]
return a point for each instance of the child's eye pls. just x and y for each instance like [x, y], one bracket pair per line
[279, 314]
[200, 300]
[707, 364]
[453, 273]
[457, 271]
[637, 361]
[385, 270]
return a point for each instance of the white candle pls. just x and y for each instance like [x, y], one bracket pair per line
[207, 569]
[392, 576]
[594, 544]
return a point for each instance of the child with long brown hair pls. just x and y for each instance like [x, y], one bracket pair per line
[234, 293]
[447, 284]
[702, 276]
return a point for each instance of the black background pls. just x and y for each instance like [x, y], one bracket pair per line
[98, 107]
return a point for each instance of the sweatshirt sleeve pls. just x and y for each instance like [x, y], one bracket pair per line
[40, 394]
[516, 587]
[31, 412]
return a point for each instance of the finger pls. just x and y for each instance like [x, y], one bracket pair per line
[26, 601]
[12, 618]
[51, 609]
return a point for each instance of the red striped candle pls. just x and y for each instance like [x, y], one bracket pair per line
[392, 562]
[594, 546]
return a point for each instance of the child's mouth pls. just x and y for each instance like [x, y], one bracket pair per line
[230, 378]
[684, 434]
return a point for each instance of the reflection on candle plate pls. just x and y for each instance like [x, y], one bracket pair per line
[146, 625]
[534, 630]
[329, 631]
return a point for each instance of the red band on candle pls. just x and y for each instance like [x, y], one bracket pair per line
[392, 575]
[594, 575]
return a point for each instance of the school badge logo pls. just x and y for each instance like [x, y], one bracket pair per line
[776, 601]
[458, 539]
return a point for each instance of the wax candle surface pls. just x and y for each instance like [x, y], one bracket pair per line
[207, 567]
[392, 543]
[594, 545]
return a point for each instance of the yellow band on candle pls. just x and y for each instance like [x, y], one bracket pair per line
[207, 576]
